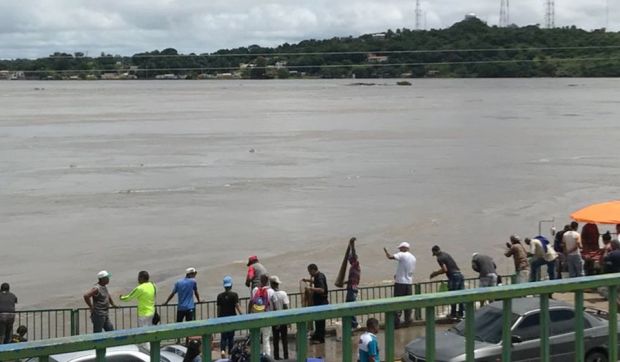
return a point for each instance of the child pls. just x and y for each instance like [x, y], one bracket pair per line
[368, 344]
[21, 335]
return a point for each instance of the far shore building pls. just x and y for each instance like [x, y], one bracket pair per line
[374, 58]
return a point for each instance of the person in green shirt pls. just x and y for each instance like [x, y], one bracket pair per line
[144, 293]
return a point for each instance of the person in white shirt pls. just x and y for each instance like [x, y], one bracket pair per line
[279, 301]
[542, 253]
[571, 244]
[403, 278]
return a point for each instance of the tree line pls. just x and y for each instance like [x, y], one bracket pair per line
[469, 48]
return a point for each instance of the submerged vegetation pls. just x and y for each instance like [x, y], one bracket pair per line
[469, 48]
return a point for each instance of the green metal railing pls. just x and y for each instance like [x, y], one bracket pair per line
[53, 323]
[388, 307]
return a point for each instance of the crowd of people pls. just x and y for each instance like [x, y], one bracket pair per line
[266, 294]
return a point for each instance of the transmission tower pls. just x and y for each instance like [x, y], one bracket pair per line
[550, 14]
[504, 13]
[418, 15]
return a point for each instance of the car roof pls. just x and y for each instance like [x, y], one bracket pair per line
[522, 306]
[91, 352]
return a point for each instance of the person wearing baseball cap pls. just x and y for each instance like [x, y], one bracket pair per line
[186, 288]
[99, 301]
[255, 270]
[227, 305]
[279, 301]
[403, 279]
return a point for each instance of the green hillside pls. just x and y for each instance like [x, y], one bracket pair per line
[469, 48]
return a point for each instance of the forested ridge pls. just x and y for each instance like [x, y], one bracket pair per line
[469, 48]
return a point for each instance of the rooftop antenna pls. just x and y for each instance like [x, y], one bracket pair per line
[418, 15]
[504, 13]
[550, 14]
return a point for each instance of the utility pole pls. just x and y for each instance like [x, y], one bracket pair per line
[504, 13]
[550, 14]
[418, 15]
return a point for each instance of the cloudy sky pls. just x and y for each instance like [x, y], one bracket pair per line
[33, 28]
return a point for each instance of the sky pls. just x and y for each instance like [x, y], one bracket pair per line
[37, 28]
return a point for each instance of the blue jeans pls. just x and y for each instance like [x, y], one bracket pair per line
[537, 263]
[456, 282]
[575, 265]
[352, 297]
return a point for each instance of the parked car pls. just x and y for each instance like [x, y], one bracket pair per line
[525, 327]
[129, 353]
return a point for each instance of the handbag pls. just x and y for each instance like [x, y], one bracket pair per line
[156, 317]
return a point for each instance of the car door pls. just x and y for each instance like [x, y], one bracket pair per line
[562, 332]
[528, 330]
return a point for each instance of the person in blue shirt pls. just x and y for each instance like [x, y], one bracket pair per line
[186, 289]
[368, 344]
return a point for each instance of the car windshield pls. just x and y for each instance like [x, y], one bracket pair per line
[487, 325]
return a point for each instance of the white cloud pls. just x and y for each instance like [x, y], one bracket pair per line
[30, 28]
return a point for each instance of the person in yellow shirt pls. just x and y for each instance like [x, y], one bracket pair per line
[144, 293]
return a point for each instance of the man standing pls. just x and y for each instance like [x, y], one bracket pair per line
[571, 242]
[255, 271]
[261, 302]
[403, 277]
[227, 305]
[7, 313]
[455, 278]
[144, 293]
[187, 289]
[319, 297]
[99, 301]
[543, 254]
[519, 255]
[353, 280]
[368, 344]
[279, 301]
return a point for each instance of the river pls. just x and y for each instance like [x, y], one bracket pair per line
[163, 175]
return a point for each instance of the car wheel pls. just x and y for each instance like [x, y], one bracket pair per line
[596, 356]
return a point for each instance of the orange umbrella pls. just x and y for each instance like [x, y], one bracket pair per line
[603, 213]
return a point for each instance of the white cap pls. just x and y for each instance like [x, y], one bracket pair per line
[275, 279]
[474, 255]
[190, 270]
[103, 274]
[404, 244]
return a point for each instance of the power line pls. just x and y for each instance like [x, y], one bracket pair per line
[318, 66]
[377, 51]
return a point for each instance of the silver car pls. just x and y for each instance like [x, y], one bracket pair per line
[129, 353]
[450, 345]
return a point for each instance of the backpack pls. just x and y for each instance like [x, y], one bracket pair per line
[260, 300]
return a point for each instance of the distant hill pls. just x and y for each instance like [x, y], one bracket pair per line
[469, 48]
